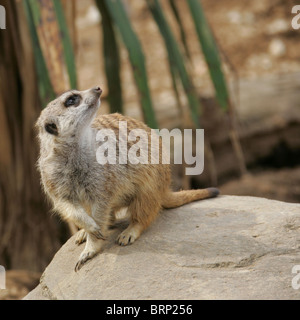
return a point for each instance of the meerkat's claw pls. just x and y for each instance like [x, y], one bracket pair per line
[80, 237]
[84, 257]
[129, 235]
[125, 239]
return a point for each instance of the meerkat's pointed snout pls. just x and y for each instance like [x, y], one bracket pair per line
[92, 96]
[97, 90]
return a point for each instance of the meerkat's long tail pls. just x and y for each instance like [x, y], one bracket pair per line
[177, 199]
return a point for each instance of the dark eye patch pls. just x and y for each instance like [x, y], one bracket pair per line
[72, 100]
[51, 128]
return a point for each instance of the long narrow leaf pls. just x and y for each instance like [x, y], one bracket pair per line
[176, 59]
[111, 59]
[67, 44]
[181, 29]
[136, 56]
[49, 37]
[210, 52]
[46, 91]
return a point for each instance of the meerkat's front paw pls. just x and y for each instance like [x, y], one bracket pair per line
[84, 257]
[80, 237]
[92, 248]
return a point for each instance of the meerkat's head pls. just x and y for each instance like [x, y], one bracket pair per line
[67, 115]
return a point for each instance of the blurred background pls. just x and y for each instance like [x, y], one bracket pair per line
[231, 67]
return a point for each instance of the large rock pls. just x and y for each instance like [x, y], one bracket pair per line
[225, 248]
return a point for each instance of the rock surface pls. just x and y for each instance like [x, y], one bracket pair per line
[225, 248]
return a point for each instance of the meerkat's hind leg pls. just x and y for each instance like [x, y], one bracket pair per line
[142, 213]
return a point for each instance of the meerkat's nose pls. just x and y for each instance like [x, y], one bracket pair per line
[97, 90]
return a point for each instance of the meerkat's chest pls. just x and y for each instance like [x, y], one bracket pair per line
[72, 181]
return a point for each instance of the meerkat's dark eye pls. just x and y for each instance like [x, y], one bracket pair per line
[72, 100]
[51, 128]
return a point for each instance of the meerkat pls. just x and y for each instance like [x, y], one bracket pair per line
[89, 194]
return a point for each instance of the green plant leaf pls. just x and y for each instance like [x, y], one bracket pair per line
[210, 51]
[46, 91]
[178, 19]
[111, 59]
[67, 44]
[176, 59]
[136, 56]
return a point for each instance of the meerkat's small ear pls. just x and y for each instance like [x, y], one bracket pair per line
[51, 128]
